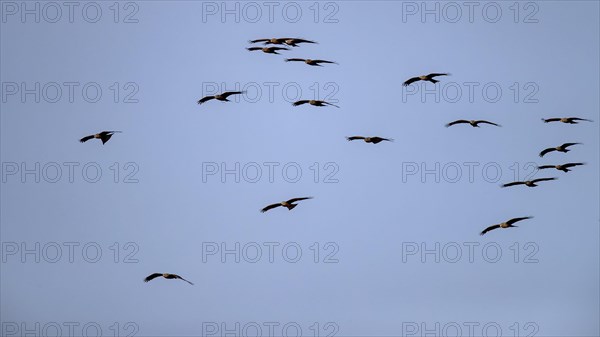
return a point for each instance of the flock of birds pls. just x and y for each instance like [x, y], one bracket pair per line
[290, 204]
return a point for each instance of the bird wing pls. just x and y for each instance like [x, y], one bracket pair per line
[486, 122]
[323, 61]
[437, 74]
[580, 119]
[181, 278]
[86, 138]
[551, 120]
[329, 104]
[152, 277]
[295, 59]
[259, 40]
[279, 48]
[254, 48]
[550, 149]
[513, 220]
[514, 183]
[542, 179]
[105, 138]
[460, 121]
[411, 80]
[354, 138]
[270, 207]
[491, 228]
[545, 167]
[205, 99]
[565, 145]
[376, 140]
[294, 40]
[229, 93]
[293, 200]
[571, 165]
[300, 102]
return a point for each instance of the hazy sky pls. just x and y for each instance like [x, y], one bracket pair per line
[390, 243]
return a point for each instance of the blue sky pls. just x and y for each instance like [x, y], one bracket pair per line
[164, 210]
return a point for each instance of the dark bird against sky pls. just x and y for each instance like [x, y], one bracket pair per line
[289, 204]
[528, 183]
[563, 167]
[104, 136]
[506, 224]
[313, 102]
[290, 41]
[221, 97]
[373, 140]
[268, 50]
[473, 123]
[167, 276]
[429, 77]
[310, 62]
[567, 120]
[562, 148]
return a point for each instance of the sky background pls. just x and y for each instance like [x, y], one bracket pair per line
[164, 211]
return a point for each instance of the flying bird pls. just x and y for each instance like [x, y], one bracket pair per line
[268, 50]
[313, 102]
[289, 204]
[373, 140]
[309, 61]
[271, 40]
[562, 148]
[506, 224]
[567, 120]
[529, 183]
[429, 78]
[293, 42]
[221, 97]
[167, 276]
[474, 123]
[104, 136]
[563, 167]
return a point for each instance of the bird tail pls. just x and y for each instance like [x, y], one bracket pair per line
[290, 207]
[433, 80]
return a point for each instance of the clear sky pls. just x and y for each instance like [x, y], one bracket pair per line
[381, 214]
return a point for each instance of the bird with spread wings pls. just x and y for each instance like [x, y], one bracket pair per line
[313, 102]
[220, 97]
[561, 148]
[506, 224]
[372, 140]
[473, 123]
[104, 136]
[167, 276]
[528, 183]
[289, 204]
[310, 62]
[566, 120]
[428, 77]
[563, 167]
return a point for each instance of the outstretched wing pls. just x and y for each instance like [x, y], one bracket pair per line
[486, 122]
[229, 93]
[542, 179]
[376, 140]
[514, 184]
[270, 207]
[259, 40]
[550, 149]
[432, 75]
[105, 137]
[572, 164]
[293, 200]
[152, 277]
[410, 81]
[329, 104]
[299, 41]
[513, 220]
[294, 59]
[279, 48]
[491, 228]
[205, 99]
[181, 278]
[545, 167]
[460, 121]
[304, 101]
[254, 48]
[565, 145]
[86, 138]
[551, 120]
[324, 61]
[580, 119]
[354, 138]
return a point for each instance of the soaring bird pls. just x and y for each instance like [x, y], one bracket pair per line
[310, 62]
[529, 183]
[506, 224]
[289, 204]
[563, 167]
[167, 276]
[474, 123]
[221, 97]
[373, 140]
[104, 136]
[268, 50]
[270, 41]
[293, 42]
[562, 148]
[313, 102]
[429, 78]
[567, 120]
